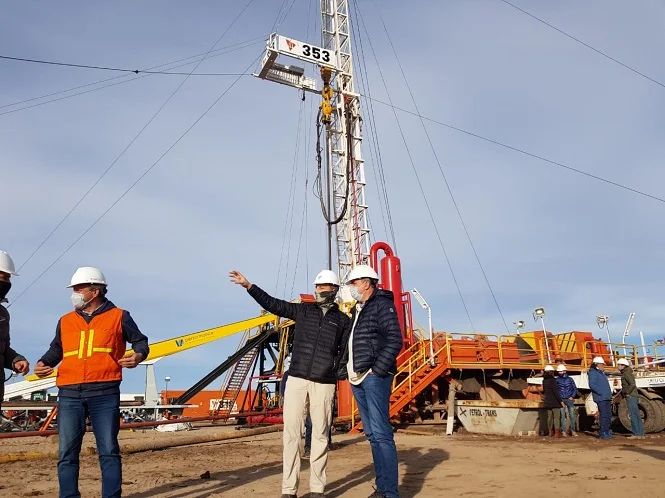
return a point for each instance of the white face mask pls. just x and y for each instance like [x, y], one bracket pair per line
[355, 293]
[78, 301]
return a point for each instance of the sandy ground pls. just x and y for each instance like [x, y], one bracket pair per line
[430, 466]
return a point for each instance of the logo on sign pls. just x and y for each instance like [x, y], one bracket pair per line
[290, 44]
[179, 342]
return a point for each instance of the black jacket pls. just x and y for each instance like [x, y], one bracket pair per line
[377, 337]
[7, 355]
[130, 333]
[317, 344]
[551, 395]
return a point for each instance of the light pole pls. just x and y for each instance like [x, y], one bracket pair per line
[603, 321]
[540, 313]
[166, 394]
[426, 306]
[519, 324]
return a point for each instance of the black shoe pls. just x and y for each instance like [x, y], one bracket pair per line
[316, 495]
[377, 494]
[289, 496]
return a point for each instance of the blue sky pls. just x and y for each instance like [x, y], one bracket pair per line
[219, 200]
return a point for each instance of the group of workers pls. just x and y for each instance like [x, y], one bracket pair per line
[328, 346]
[559, 393]
[90, 347]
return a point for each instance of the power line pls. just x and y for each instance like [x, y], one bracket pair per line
[134, 71]
[600, 52]
[415, 172]
[245, 44]
[115, 161]
[445, 179]
[517, 149]
[143, 175]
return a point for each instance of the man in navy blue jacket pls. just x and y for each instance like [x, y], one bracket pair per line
[567, 391]
[369, 361]
[602, 395]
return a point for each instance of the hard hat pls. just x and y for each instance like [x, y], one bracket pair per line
[361, 271]
[623, 361]
[599, 359]
[561, 368]
[326, 277]
[7, 264]
[87, 275]
[549, 368]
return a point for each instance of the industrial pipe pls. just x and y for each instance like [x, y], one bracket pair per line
[154, 423]
[145, 446]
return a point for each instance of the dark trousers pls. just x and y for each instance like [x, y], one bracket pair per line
[605, 412]
[104, 413]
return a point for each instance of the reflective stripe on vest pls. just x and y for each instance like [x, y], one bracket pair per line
[91, 349]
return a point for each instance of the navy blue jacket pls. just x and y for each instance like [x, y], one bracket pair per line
[599, 385]
[317, 341]
[7, 355]
[567, 387]
[130, 333]
[377, 337]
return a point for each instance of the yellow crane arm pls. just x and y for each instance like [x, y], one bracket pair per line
[195, 339]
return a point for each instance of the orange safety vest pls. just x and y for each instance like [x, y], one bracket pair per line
[91, 350]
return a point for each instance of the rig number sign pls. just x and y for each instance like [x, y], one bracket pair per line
[305, 51]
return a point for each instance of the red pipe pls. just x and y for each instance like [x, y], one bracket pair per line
[374, 250]
[134, 425]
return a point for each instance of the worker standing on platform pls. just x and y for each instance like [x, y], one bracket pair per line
[567, 391]
[91, 344]
[317, 346]
[553, 402]
[9, 358]
[602, 395]
[369, 361]
[630, 393]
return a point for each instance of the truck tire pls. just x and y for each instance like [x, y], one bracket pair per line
[652, 415]
[658, 403]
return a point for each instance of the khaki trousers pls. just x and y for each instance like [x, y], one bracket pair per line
[320, 409]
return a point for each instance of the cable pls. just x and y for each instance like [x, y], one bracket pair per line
[291, 194]
[383, 191]
[415, 172]
[245, 45]
[521, 151]
[135, 183]
[135, 71]
[115, 161]
[436, 157]
[626, 66]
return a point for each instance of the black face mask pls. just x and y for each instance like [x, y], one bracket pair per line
[4, 289]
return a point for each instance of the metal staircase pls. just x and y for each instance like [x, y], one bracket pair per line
[236, 379]
[415, 373]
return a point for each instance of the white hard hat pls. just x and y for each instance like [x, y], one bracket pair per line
[623, 361]
[561, 368]
[599, 359]
[88, 275]
[361, 271]
[549, 368]
[7, 264]
[326, 277]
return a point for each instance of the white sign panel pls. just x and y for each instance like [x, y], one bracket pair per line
[305, 51]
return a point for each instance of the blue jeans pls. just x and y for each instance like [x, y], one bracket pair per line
[636, 422]
[373, 398]
[104, 413]
[605, 411]
[570, 408]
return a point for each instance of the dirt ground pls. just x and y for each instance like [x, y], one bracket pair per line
[430, 466]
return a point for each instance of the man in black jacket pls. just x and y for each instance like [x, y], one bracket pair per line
[370, 362]
[9, 358]
[317, 347]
